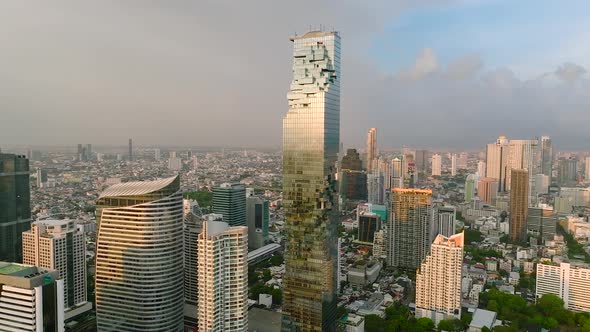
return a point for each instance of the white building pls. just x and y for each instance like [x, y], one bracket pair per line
[59, 245]
[453, 164]
[223, 277]
[481, 168]
[571, 283]
[31, 299]
[174, 163]
[496, 161]
[379, 249]
[436, 165]
[438, 280]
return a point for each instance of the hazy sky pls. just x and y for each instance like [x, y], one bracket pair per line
[216, 73]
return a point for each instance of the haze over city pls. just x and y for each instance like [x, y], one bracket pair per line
[439, 74]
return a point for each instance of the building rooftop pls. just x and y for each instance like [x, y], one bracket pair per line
[13, 269]
[483, 318]
[314, 34]
[136, 188]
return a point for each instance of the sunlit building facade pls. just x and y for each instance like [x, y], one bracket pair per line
[371, 148]
[139, 251]
[311, 135]
[519, 195]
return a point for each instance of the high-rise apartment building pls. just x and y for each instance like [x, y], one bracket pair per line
[379, 244]
[15, 206]
[139, 257]
[462, 160]
[570, 282]
[546, 158]
[497, 161]
[311, 132]
[487, 189]
[409, 171]
[258, 217]
[371, 148]
[174, 162]
[229, 200]
[436, 165]
[397, 174]
[522, 154]
[193, 226]
[375, 188]
[567, 171]
[481, 168]
[443, 221]
[453, 164]
[157, 154]
[353, 179]
[223, 277]
[421, 159]
[31, 299]
[470, 188]
[542, 221]
[438, 280]
[409, 227]
[587, 168]
[519, 194]
[59, 245]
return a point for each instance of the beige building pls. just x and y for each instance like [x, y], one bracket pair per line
[59, 245]
[487, 189]
[436, 165]
[438, 280]
[223, 277]
[371, 148]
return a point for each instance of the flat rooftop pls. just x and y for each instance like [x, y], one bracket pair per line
[261, 320]
[16, 270]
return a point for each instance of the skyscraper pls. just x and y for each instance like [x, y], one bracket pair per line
[487, 189]
[519, 194]
[223, 277]
[229, 200]
[469, 188]
[311, 133]
[139, 257]
[453, 164]
[546, 155]
[397, 175]
[157, 154]
[421, 159]
[521, 155]
[497, 160]
[193, 226]
[31, 299]
[438, 280]
[587, 169]
[130, 150]
[353, 180]
[567, 171]
[15, 209]
[59, 245]
[436, 165]
[371, 148]
[443, 221]
[257, 216]
[409, 226]
[369, 223]
[481, 168]
[542, 221]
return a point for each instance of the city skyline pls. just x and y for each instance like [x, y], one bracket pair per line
[397, 53]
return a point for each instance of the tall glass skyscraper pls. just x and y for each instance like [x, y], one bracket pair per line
[311, 135]
[139, 250]
[15, 207]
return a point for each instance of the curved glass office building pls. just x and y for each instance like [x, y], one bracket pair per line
[139, 257]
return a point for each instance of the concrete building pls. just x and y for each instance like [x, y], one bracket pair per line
[481, 168]
[223, 277]
[519, 194]
[311, 133]
[542, 222]
[587, 169]
[438, 280]
[470, 187]
[522, 154]
[353, 179]
[453, 164]
[229, 200]
[174, 163]
[571, 283]
[436, 165]
[140, 242]
[364, 274]
[497, 161]
[567, 171]
[379, 244]
[15, 205]
[258, 217]
[31, 299]
[59, 245]
[487, 189]
[444, 221]
[408, 227]
[421, 160]
[192, 227]
[371, 148]
[546, 157]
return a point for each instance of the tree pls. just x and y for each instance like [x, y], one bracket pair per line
[450, 325]
[374, 323]
[424, 324]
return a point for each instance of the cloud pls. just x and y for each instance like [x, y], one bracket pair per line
[426, 63]
[570, 72]
[465, 67]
